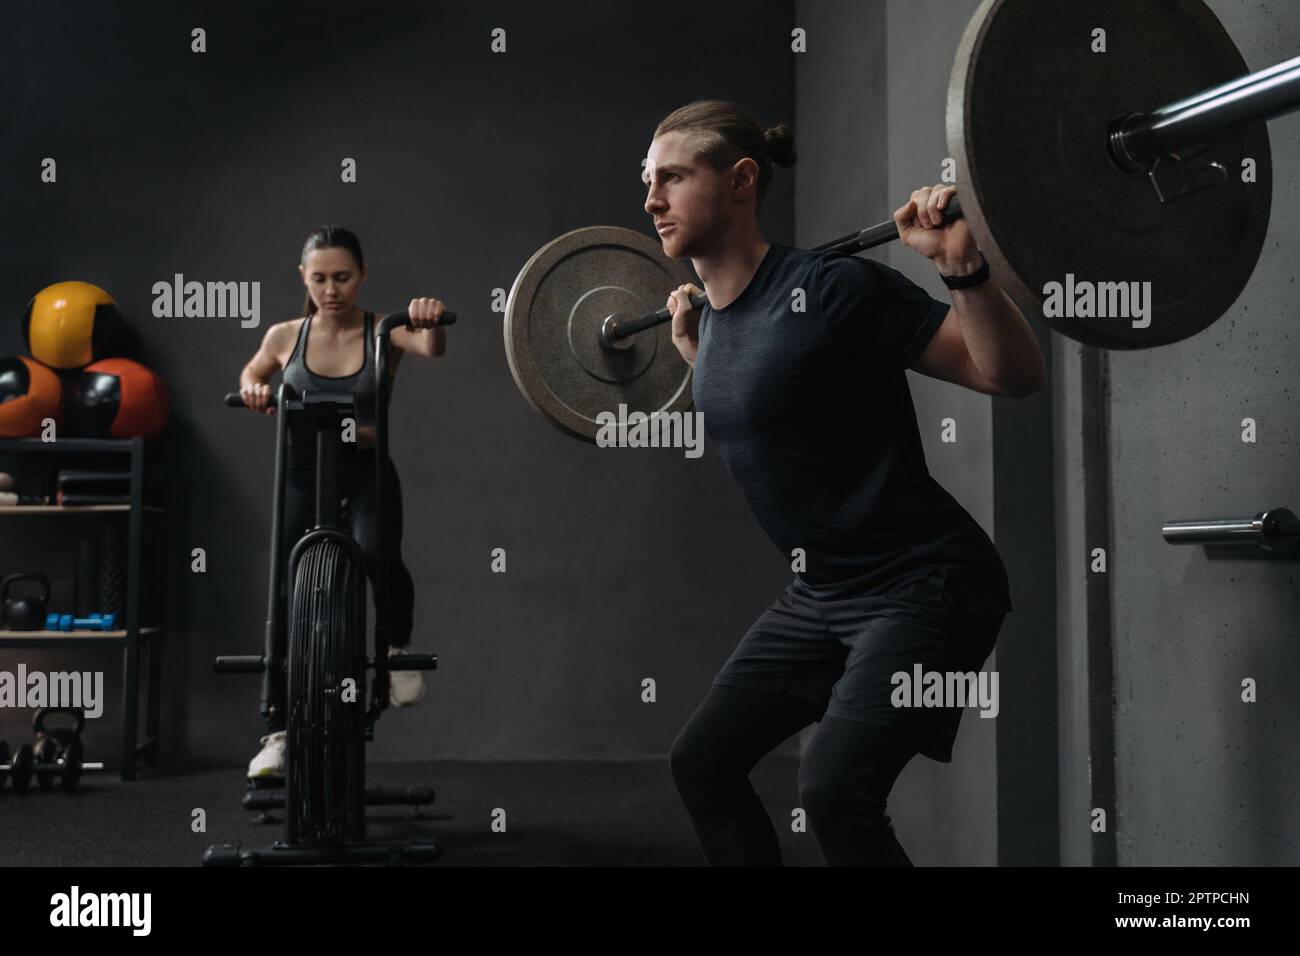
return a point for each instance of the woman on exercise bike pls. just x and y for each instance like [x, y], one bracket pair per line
[331, 348]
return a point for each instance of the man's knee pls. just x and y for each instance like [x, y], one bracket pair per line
[697, 767]
[684, 760]
[830, 789]
[825, 800]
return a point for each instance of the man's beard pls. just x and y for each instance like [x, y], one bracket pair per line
[703, 240]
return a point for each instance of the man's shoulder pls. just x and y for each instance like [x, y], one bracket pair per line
[819, 273]
[828, 269]
[833, 261]
[808, 267]
[843, 271]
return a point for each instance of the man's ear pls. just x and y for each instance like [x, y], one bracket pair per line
[744, 178]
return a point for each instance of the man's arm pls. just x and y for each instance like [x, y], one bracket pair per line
[984, 342]
[999, 343]
[948, 356]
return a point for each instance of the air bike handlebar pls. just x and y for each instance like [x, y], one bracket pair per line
[397, 320]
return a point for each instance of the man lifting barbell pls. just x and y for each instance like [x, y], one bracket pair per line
[810, 411]
[1150, 167]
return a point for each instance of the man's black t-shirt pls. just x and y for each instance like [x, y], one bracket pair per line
[812, 415]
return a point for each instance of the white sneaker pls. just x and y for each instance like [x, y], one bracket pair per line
[270, 761]
[405, 688]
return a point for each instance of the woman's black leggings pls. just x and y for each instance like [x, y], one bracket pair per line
[844, 779]
[300, 515]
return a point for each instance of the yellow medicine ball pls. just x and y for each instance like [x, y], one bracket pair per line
[70, 324]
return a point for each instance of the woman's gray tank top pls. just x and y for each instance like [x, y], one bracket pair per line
[361, 383]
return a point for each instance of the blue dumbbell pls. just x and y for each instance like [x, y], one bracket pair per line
[66, 622]
[96, 622]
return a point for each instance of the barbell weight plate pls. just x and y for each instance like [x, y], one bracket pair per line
[1029, 108]
[45, 752]
[552, 329]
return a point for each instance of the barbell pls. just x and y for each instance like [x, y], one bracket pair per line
[1070, 173]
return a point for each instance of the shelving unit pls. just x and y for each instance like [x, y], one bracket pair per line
[142, 453]
[55, 509]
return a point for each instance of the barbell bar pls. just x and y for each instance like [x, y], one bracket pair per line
[1140, 140]
[612, 331]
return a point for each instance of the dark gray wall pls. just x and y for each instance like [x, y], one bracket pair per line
[842, 176]
[622, 565]
[1201, 777]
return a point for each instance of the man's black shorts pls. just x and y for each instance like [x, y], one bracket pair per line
[841, 652]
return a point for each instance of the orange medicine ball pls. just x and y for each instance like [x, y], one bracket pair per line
[118, 398]
[29, 394]
[71, 324]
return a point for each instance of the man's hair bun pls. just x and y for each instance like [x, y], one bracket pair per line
[780, 144]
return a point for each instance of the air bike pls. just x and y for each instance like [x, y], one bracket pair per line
[331, 710]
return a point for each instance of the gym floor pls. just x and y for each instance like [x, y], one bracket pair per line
[558, 813]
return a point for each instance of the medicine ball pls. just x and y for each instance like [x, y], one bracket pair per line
[70, 324]
[29, 393]
[117, 398]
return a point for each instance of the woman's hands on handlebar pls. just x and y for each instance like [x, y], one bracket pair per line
[256, 395]
[425, 313]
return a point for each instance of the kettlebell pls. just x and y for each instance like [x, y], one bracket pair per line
[25, 613]
[55, 743]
